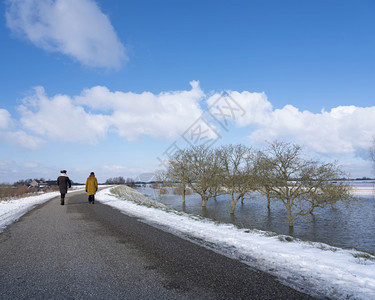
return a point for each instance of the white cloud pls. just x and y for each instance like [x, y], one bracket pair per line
[76, 28]
[60, 119]
[344, 129]
[255, 106]
[22, 139]
[89, 117]
[6, 171]
[14, 170]
[30, 165]
[17, 137]
[115, 168]
[6, 163]
[165, 115]
[5, 119]
[343, 133]
[107, 171]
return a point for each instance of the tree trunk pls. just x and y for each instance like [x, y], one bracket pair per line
[204, 201]
[291, 230]
[233, 203]
[290, 217]
[183, 195]
[204, 211]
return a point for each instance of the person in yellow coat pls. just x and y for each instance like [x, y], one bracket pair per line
[91, 187]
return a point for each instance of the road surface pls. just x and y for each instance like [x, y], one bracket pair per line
[92, 251]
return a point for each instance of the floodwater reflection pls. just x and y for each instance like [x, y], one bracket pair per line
[346, 227]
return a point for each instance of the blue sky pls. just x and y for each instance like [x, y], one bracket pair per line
[114, 86]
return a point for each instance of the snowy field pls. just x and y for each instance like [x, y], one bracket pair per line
[314, 268]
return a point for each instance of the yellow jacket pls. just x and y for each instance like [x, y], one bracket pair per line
[91, 185]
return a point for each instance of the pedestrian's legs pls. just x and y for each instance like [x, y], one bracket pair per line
[62, 198]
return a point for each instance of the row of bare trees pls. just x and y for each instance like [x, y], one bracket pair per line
[279, 172]
[120, 180]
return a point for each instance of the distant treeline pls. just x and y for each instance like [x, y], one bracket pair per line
[121, 180]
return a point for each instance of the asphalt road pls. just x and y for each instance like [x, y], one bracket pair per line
[85, 251]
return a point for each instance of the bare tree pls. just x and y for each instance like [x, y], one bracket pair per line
[162, 181]
[178, 171]
[264, 173]
[161, 176]
[217, 179]
[130, 182]
[238, 177]
[23, 182]
[301, 184]
[115, 180]
[203, 171]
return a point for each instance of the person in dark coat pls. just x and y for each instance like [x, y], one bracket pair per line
[91, 187]
[63, 183]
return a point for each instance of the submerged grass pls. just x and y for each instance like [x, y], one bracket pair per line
[364, 258]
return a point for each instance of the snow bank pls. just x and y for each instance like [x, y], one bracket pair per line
[126, 193]
[12, 210]
[314, 268]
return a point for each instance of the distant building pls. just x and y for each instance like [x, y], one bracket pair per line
[38, 184]
[34, 184]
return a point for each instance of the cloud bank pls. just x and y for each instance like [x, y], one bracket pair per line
[90, 117]
[165, 115]
[4, 119]
[343, 129]
[76, 28]
[17, 138]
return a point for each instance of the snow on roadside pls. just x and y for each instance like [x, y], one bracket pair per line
[12, 210]
[314, 268]
[124, 192]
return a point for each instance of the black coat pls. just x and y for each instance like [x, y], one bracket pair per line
[63, 182]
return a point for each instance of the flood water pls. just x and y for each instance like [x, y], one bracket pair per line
[352, 227]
